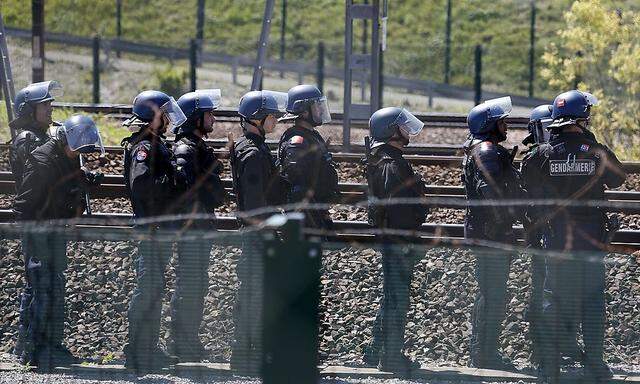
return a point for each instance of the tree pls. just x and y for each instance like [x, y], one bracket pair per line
[599, 51]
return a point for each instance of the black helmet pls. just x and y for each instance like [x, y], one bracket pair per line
[33, 94]
[387, 122]
[302, 98]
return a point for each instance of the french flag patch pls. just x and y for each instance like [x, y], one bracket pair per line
[584, 147]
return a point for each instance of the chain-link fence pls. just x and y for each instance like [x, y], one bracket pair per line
[321, 307]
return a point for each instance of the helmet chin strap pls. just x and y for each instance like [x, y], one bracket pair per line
[310, 119]
[259, 127]
[201, 127]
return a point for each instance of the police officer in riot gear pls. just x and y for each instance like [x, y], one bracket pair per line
[33, 118]
[149, 174]
[257, 184]
[304, 158]
[573, 166]
[535, 227]
[389, 177]
[52, 187]
[200, 192]
[488, 174]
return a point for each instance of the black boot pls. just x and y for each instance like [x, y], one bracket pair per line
[189, 351]
[371, 355]
[150, 361]
[399, 364]
[495, 361]
[597, 371]
[48, 357]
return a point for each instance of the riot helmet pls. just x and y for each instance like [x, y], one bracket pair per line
[539, 120]
[308, 98]
[33, 94]
[258, 105]
[194, 105]
[81, 134]
[572, 107]
[387, 123]
[483, 118]
[149, 103]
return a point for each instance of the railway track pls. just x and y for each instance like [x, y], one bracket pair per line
[444, 196]
[119, 227]
[434, 119]
[445, 155]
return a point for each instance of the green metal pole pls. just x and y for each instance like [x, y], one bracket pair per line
[532, 47]
[447, 46]
[478, 75]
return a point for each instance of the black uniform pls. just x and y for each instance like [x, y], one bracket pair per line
[21, 146]
[489, 175]
[257, 184]
[149, 173]
[536, 231]
[306, 164]
[52, 188]
[200, 192]
[390, 176]
[573, 167]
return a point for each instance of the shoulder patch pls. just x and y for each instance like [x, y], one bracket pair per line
[584, 147]
[141, 155]
[296, 140]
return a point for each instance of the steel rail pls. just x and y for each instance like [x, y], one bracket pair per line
[444, 155]
[350, 193]
[431, 119]
[121, 229]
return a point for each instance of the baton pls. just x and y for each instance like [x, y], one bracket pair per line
[86, 194]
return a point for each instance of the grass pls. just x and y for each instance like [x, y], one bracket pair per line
[416, 31]
[111, 130]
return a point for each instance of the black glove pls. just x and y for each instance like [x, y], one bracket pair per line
[93, 178]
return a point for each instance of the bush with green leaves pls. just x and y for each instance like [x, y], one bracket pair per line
[599, 50]
[172, 80]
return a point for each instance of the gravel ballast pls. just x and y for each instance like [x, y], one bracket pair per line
[100, 280]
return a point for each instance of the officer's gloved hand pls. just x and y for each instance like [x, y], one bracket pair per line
[93, 178]
[420, 183]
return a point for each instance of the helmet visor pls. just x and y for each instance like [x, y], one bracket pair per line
[281, 99]
[83, 136]
[500, 107]
[541, 133]
[44, 91]
[546, 122]
[591, 99]
[320, 111]
[215, 95]
[173, 112]
[408, 123]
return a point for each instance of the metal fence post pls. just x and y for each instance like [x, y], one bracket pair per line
[258, 69]
[291, 299]
[37, 41]
[447, 46]
[283, 26]
[301, 68]
[320, 67]
[477, 84]
[532, 57]
[381, 79]
[96, 69]
[118, 23]
[193, 63]
[234, 70]
[200, 31]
